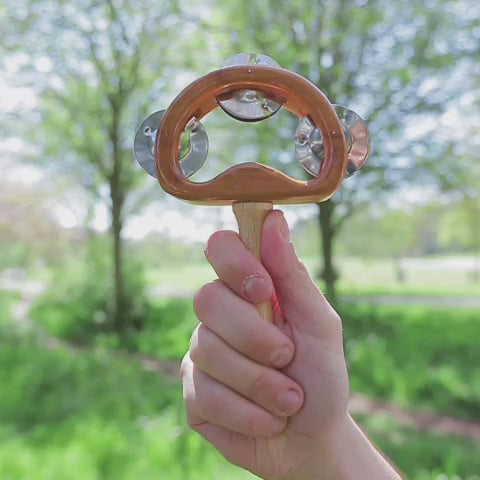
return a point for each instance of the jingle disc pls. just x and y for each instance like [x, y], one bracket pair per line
[249, 105]
[357, 137]
[309, 142]
[309, 146]
[193, 146]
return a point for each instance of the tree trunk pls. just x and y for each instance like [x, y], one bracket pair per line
[117, 196]
[327, 231]
[119, 314]
[400, 276]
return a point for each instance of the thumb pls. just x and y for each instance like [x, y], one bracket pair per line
[300, 300]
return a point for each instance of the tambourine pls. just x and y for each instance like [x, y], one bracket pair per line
[331, 143]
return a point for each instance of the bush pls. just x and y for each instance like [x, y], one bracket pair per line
[167, 329]
[79, 303]
[415, 356]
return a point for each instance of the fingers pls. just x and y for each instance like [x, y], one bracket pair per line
[208, 400]
[299, 298]
[238, 268]
[264, 386]
[239, 324]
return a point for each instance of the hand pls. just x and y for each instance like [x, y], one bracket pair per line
[272, 398]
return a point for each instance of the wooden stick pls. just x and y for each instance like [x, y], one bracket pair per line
[250, 217]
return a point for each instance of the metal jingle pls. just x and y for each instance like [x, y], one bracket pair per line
[193, 148]
[357, 137]
[249, 105]
[309, 142]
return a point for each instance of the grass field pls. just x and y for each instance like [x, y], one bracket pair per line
[97, 415]
[100, 417]
[423, 276]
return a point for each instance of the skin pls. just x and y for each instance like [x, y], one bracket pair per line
[272, 398]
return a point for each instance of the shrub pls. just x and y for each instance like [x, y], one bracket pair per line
[78, 305]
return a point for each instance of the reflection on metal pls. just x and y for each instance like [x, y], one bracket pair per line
[249, 105]
[357, 137]
[193, 146]
[309, 142]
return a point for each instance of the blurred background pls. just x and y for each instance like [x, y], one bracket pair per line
[98, 265]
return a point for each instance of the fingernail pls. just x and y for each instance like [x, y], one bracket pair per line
[284, 230]
[282, 357]
[288, 402]
[253, 287]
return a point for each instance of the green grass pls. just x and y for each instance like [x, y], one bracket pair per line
[97, 416]
[357, 276]
[407, 354]
[410, 355]
[94, 416]
[7, 300]
[423, 456]
[423, 276]
[418, 356]
[182, 278]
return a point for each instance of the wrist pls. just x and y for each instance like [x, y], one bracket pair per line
[346, 453]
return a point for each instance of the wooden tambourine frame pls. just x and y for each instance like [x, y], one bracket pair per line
[251, 182]
[251, 188]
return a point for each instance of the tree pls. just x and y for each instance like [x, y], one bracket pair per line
[28, 229]
[98, 67]
[373, 56]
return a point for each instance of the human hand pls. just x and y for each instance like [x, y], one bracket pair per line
[272, 398]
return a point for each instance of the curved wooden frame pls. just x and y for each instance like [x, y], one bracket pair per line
[251, 182]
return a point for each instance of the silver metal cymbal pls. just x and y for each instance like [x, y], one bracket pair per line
[248, 105]
[193, 148]
[309, 142]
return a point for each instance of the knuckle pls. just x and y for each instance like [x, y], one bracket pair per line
[200, 344]
[300, 268]
[195, 350]
[218, 240]
[251, 341]
[257, 387]
[184, 365]
[261, 423]
[335, 325]
[204, 300]
[254, 424]
[210, 403]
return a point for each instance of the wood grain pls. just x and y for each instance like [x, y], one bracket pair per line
[251, 181]
[250, 217]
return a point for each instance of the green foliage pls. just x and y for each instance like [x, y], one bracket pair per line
[7, 299]
[460, 226]
[14, 254]
[415, 356]
[167, 329]
[409, 355]
[93, 416]
[78, 304]
[423, 456]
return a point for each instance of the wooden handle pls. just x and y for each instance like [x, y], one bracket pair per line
[250, 217]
